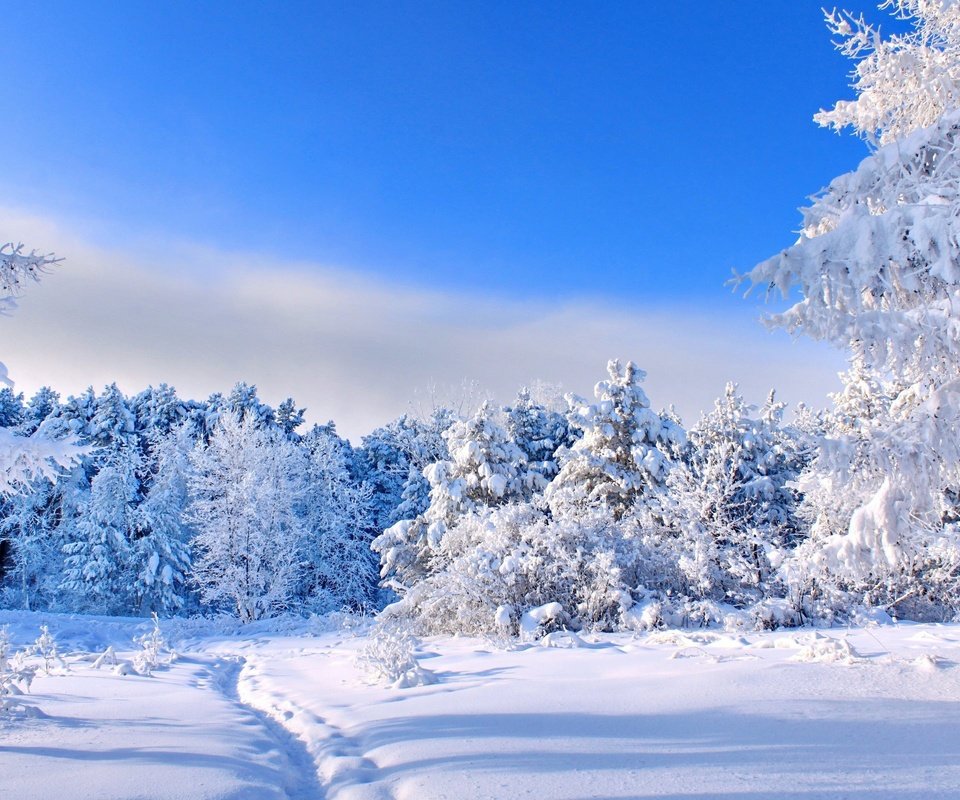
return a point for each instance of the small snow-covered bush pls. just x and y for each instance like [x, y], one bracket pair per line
[46, 647]
[389, 655]
[152, 645]
[15, 675]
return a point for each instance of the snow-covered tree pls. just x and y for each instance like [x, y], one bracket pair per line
[160, 552]
[539, 433]
[732, 505]
[243, 496]
[876, 268]
[624, 453]
[99, 546]
[485, 469]
[905, 81]
[289, 417]
[391, 461]
[157, 412]
[244, 402]
[340, 569]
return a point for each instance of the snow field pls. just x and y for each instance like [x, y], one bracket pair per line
[112, 734]
[679, 714]
[290, 713]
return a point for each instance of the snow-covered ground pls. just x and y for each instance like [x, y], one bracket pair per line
[273, 713]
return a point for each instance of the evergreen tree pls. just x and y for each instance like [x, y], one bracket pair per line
[339, 519]
[99, 542]
[731, 504]
[160, 554]
[875, 269]
[485, 469]
[12, 411]
[43, 405]
[289, 417]
[624, 453]
[539, 433]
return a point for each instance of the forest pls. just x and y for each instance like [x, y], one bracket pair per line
[596, 513]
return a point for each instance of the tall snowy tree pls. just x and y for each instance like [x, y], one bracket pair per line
[99, 546]
[243, 497]
[876, 268]
[340, 569]
[100, 540]
[160, 552]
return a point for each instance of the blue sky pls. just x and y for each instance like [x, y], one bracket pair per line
[622, 153]
[622, 148]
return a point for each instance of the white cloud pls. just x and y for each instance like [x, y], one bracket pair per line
[355, 349]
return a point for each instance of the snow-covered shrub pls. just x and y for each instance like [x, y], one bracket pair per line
[537, 622]
[15, 674]
[152, 645]
[389, 655]
[499, 564]
[46, 648]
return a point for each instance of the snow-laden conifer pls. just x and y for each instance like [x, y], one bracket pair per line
[624, 453]
[485, 469]
[731, 502]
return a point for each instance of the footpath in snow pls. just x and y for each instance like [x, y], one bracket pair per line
[871, 713]
[178, 734]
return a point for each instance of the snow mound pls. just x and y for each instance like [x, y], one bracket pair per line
[929, 662]
[827, 650]
[565, 639]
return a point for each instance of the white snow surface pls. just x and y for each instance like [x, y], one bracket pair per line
[283, 710]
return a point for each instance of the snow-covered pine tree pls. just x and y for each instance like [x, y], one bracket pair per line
[425, 445]
[485, 469]
[99, 541]
[160, 553]
[157, 412]
[384, 462]
[876, 269]
[244, 402]
[730, 503]
[99, 547]
[539, 433]
[289, 417]
[624, 453]
[340, 569]
[244, 490]
[12, 410]
[391, 461]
